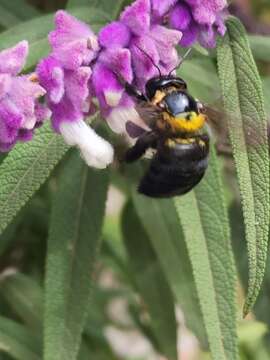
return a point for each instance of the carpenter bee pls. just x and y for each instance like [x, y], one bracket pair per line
[177, 133]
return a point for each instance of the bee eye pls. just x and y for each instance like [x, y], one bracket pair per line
[179, 103]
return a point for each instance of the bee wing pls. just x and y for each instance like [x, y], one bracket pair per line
[134, 130]
[218, 122]
[216, 119]
[149, 114]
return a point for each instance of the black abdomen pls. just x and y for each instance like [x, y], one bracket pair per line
[176, 170]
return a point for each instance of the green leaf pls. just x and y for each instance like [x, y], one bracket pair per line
[76, 222]
[7, 18]
[162, 226]
[151, 282]
[18, 342]
[266, 91]
[260, 46]
[39, 46]
[108, 7]
[20, 9]
[25, 297]
[205, 223]
[247, 123]
[25, 169]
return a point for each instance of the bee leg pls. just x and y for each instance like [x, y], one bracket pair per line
[146, 141]
[133, 92]
[130, 89]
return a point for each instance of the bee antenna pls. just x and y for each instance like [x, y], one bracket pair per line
[181, 61]
[149, 57]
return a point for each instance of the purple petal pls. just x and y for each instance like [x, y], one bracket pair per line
[115, 34]
[5, 147]
[106, 85]
[71, 55]
[166, 40]
[170, 63]
[51, 78]
[143, 66]
[220, 23]
[190, 35]
[205, 12]
[68, 29]
[180, 17]
[161, 7]
[23, 94]
[25, 135]
[207, 37]
[12, 60]
[64, 111]
[119, 61]
[10, 121]
[73, 42]
[76, 84]
[137, 16]
[41, 113]
[5, 83]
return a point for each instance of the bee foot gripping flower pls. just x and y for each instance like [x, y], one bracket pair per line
[20, 112]
[66, 75]
[198, 20]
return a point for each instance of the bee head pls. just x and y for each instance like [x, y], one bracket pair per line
[161, 83]
[182, 112]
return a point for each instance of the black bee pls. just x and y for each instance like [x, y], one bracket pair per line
[176, 131]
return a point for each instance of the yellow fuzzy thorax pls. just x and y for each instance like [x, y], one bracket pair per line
[189, 124]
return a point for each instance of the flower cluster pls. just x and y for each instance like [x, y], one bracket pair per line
[123, 47]
[198, 20]
[85, 69]
[20, 111]
[65, 74]
[83, 66]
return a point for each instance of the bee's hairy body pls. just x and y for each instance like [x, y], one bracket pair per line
[179, 137]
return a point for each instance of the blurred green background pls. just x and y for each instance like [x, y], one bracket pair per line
[120, 325]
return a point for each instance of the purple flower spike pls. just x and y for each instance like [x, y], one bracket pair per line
[198, 20]
[126, 46]
[66, 75]
[20, 112]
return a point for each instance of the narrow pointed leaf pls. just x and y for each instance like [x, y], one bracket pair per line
[7, 18]
[266, 91]
[25, 297]
[151, 282]
[109, 7]
[25, 169]
[247, 123]
[76, 222]
[162, 226]
[21, 9]
[205, 223]
[18, 342]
